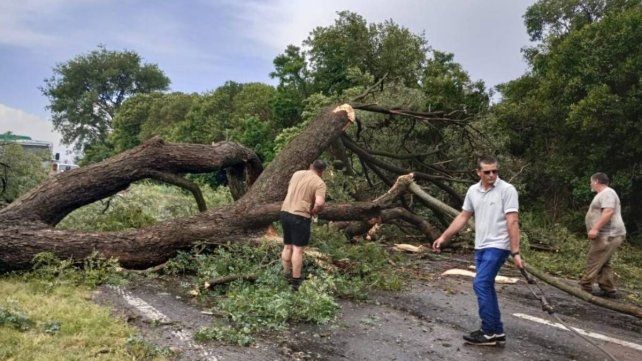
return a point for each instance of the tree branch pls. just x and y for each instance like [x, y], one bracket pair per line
[180, 182]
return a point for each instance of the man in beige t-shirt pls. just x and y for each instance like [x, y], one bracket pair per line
[606, 232]
[305, 199]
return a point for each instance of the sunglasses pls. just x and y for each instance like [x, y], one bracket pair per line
[487, 172]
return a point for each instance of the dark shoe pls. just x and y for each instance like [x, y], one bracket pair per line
[480, 338]
[606, 294]
[295, 283]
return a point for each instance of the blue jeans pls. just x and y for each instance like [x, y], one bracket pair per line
[489, 261]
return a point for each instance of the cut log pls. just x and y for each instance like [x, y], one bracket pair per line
[471, 274]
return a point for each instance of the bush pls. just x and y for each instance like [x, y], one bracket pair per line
[141, 205]
[19, 171]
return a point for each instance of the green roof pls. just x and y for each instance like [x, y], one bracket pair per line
[10, 137]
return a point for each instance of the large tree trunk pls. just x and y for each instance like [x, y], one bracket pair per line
[61, 194]
[26, 226]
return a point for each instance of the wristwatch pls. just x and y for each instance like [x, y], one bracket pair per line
[514, 253]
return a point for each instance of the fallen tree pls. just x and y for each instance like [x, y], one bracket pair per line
[27, 225]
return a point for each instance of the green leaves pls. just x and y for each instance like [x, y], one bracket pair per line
[85, 92]
[578, 110]
[19, 171]
[11, 317]
[268, 303]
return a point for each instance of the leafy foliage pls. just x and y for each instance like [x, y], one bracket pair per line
[547, 19]
[10, 317]
[86, 92]
[570, 258]
[143, 204]
[578, 112]
[268, 303]
[49, 272]
[20, 171]
[237, 112]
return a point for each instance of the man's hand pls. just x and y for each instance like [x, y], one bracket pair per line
[517, 259]
[436, 245]
[592, 234]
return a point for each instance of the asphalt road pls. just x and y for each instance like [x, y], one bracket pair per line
[426, 322]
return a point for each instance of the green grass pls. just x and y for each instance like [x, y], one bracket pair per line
[53, 318]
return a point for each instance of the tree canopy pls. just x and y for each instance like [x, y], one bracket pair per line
[86, 92]
[578, 109]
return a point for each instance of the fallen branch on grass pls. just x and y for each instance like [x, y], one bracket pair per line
[230, 278]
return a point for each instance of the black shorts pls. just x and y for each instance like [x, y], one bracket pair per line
[296, 229]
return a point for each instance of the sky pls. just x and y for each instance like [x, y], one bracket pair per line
[201, 44]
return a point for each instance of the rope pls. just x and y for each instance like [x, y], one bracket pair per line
[546, 306]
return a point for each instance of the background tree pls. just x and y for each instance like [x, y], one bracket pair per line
[350, 53]
[86, 92]
[578, 111]
[548, 19]
[19, 171]
[233, 111]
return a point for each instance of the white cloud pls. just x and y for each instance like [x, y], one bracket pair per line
[61, 27]
[21, 22]
[23, 123]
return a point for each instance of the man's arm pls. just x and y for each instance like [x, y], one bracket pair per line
[512, 222]
[319, 203]
[457, 224]
[607, 213]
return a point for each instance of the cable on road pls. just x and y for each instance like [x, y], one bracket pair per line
[546, 306]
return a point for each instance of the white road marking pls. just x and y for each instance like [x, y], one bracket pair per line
[153, 314]
[143, 307]
[595, 335]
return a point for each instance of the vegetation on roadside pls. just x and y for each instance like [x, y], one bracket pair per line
[251, 307]
[47, 314]
[142, 204]
[554, 126]
[567, 257]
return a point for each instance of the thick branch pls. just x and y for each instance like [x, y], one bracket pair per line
[180, 182]
[611, 305]
[435, 204]
[272, 184]
[59, 195]
[397, 111]
[422, 225]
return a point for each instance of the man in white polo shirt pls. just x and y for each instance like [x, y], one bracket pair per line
[494, 204]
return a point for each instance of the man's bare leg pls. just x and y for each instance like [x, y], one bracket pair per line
[286, 259]
[297, 265]
[297, 261]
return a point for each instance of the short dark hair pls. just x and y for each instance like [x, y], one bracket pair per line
[485, 159]
[318, 165]
[601, 178]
